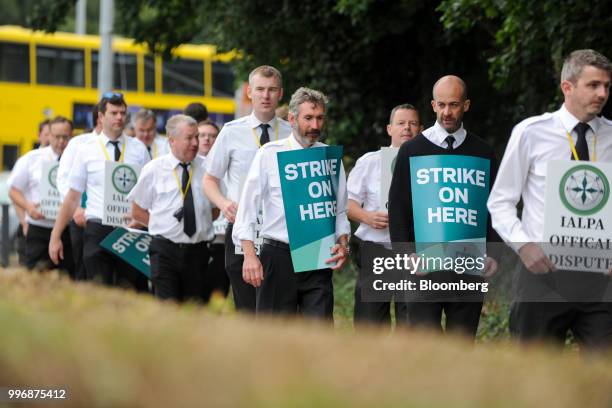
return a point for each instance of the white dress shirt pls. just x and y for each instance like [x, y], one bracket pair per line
[363, 186]
[26, 175]
[158, 191]
[437, 135]
[159, 147]
[67, 161]
[87, 173]
[522, 172]
[263, 186]
[235, 148]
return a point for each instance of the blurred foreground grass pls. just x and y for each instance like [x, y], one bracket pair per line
[114, 348]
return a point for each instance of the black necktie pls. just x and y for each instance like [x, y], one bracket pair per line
[189, 221]
[450, 141]
[265, 136]
[582, 148]
[117, 150]
[149, 150]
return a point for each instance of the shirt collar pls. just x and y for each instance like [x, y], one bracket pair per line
[569, 121]
[106, 139]
[174, 162]
[256, 122]
[48, 151]
[437, 134]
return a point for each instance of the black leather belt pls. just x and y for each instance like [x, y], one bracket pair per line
[95, 220]
[276, 244]
[179, 244]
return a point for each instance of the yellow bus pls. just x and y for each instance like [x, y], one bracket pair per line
[43, 75]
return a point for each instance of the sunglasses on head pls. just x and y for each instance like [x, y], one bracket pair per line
[111, 95]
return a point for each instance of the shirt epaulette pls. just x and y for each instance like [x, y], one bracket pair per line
[236, 121]
[522, 126]
[605, 121]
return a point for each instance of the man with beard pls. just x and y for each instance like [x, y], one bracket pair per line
[281, 290]
[446, 137]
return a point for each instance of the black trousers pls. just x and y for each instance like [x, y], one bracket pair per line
[21, 246]
[284, 291]
[584, 313]
[76, 238]
[37, 250]
[374, 312]
[461, 310]
[244, 293]
[217, 279]
[178, 271]
[105, 268]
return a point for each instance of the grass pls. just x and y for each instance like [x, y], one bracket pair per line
[115, 348]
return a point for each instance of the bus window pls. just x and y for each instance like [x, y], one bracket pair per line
[124, 71]
[14, 62]
[223, 79]
[183, 76]
[9, 156]
[149, 74]
[59, 66]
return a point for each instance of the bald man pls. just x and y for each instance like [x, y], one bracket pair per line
[416, 220]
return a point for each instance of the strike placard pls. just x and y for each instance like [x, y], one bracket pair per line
[387, 165]
[50, 199]
[577, 230]
[309, 183]
[119, 179]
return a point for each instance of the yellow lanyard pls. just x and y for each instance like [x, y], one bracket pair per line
[154, 150]
[106, 151]
[575, 154]
[257, 138]
[183, 193]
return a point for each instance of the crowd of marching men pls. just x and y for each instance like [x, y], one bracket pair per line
[213, 204]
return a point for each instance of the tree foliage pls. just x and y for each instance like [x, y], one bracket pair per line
[528, 41]
[369, 56]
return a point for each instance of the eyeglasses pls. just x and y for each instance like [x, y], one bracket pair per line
[110, 95]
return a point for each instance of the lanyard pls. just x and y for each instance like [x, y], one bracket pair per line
[154, 150]
[575, 154]
[106, 151]
[257, 139]
[178, 182]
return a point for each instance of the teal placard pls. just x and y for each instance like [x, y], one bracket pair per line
[131, 247]
[449, 197]
[309, 182]
[449, 204]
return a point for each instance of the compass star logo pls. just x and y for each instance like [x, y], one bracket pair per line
[584, 189]
[53, 176]
[124, 178]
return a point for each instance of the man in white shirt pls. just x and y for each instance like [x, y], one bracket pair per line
[461, 309]
[77, 223]
[145, 130]
[232, 155]
[585, 83]
[178, 215]
[87, 176]
[281, 290]
[24, 185]
[364, 207]
[219, 281]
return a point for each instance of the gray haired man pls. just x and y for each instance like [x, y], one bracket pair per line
[281, 290]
